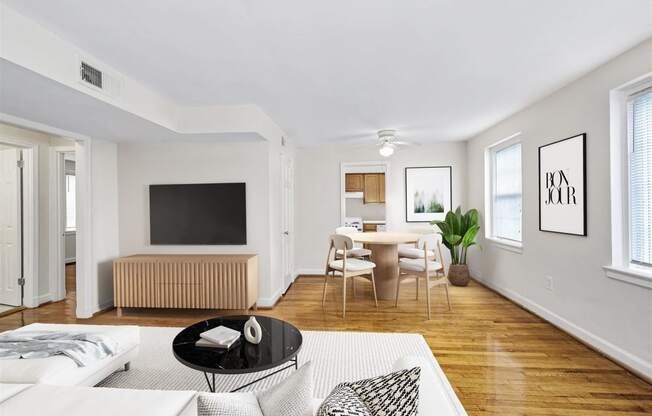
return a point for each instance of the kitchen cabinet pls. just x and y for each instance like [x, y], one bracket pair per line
[374, 188]
[354, 182]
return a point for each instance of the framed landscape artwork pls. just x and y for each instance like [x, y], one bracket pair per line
[562, 186]
[428, 193]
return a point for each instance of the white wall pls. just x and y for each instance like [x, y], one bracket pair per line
[200, 162]
[614, 316]
[104, 212]
[317, 204]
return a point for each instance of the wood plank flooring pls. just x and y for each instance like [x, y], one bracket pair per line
[500, 359]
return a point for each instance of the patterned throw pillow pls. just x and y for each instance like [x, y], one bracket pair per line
[395, 394]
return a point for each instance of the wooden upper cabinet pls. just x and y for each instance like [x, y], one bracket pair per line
[374, 188]
[354, 182]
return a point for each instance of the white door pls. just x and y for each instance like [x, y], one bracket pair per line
[10, 291]
[287, 203]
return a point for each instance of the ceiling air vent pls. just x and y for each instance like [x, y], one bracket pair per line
[98, 78]
[90, 75]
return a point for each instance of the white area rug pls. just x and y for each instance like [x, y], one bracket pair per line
[336, 357]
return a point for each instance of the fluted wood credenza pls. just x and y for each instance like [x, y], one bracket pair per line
[211, 281]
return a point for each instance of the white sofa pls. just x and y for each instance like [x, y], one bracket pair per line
[60, 370]
[56, 386]
[435, 398]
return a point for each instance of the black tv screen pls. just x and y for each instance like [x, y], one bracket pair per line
[206, 213]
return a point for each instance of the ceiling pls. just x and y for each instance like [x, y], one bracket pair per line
[329, 71]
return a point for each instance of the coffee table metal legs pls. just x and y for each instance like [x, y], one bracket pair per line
[211, 385]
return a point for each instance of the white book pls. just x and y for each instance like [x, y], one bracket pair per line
[220, 335]
[201, 342]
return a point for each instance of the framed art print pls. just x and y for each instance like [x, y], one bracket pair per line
[428, 193]
[562, 186]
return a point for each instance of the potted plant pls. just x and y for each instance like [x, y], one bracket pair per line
[458, 233]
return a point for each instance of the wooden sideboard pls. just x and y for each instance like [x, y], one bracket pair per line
[211, 281]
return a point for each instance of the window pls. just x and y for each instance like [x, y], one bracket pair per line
[71, 220]
[639, 127]
[504, 192]
[631, 182]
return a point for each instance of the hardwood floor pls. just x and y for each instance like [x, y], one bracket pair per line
[500, 359]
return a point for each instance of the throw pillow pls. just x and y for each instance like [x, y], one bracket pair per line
[395, 394]
[290, 397]
[227, 404]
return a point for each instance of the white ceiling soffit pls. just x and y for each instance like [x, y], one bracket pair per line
[35, 64]
[28, 95]
[332, 70]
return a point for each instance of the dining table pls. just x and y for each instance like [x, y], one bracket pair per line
[384, 253]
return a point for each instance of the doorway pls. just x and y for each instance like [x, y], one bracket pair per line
[63, 214]
[11, 228]
[287, 215]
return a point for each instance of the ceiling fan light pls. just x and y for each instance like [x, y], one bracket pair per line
[386, 150]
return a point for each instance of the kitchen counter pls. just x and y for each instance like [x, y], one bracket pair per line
[373, 222]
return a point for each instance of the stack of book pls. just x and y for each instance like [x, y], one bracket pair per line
[218, 337]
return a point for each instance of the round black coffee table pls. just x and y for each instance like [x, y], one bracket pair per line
[280, 344]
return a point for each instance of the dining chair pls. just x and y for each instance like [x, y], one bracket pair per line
[346, 267]
[357, 251]
[425, 267]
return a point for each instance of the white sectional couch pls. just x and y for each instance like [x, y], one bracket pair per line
[60, 370]
[38, 387]
[435, 398]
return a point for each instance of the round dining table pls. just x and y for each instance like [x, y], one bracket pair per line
[384, 253]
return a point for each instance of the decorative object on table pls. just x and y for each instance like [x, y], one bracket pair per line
[395, 393]
[208, 344]
[562, 186]
[221, 336]
[458, 233]
[252, 331]
[428, 193]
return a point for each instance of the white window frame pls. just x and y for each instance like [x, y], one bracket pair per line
[621, 267]
[490, 176]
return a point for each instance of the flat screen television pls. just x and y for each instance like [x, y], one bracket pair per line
[199, 214]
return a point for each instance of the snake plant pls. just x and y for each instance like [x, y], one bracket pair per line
[458, 232]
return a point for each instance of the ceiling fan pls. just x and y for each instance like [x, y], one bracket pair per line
[388, 141]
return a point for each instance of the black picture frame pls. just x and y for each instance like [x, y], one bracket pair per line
[450, 186]
[584, 232]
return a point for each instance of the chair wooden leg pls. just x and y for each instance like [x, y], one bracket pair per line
[417, 279]
[323, 296]
[428, 296]
[343, 296]
[355, 295]
[448, 298]
[398, 285]
[373, 285]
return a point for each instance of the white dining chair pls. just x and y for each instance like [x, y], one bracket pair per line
[426, 267]
[357, 251]
[346, 267]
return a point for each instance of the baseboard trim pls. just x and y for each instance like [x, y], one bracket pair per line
[41, 299]
[270, 302]
[319, 272]
[104, 305]
[631, 362]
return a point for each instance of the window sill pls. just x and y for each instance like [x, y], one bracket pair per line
[513, 246]
[632, 275]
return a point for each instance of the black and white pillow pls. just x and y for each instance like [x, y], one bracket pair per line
[395, 394]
